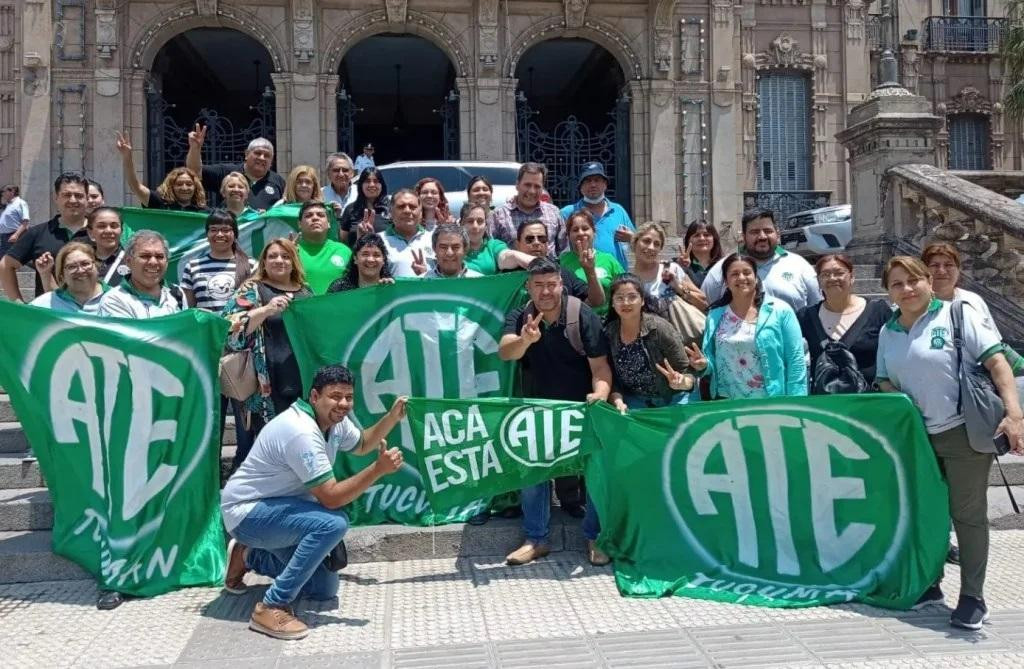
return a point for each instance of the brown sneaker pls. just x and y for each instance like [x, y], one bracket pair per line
[597, 557]
[279, 623]
[527, 553]
[234, 577]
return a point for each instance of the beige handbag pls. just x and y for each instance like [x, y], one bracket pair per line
[688, 319]
[238, 375]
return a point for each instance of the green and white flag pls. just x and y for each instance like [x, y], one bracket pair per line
[472, 449]
[123, 416]
[784, 502]
[186, 230]
[423, 338]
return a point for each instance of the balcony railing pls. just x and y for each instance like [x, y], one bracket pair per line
[971, 34]
[784, 203]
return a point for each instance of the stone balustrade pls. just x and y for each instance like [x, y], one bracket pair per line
[930, 204]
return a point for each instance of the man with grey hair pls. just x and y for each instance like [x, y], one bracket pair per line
[142, 293]
[340, 173]
[265, 185]
[450, 243]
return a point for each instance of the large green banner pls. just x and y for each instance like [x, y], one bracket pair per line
[123, 417]
[424, 338]
[186, 233]
[785, 502]
[473, 449]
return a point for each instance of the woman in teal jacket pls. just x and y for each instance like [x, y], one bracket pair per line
[752, 343]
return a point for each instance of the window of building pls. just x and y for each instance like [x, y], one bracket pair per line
[784, 132]
[968, 142]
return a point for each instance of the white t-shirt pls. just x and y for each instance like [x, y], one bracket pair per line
[14, 214]
[786, 276]
[976, 301]
[922, 362]
[290, 456]
[658, 289]
[400, 252]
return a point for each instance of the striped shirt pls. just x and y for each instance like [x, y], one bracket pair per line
[211, 280]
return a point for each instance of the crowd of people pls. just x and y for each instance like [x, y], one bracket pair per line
[608, 318]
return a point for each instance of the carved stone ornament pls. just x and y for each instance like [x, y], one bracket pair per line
[663, 50]
[489, 47]
[785, 50]
[397, 10]
[575, 12]
[302, 31]
[969, 100]
[206, 7]
[106, 33]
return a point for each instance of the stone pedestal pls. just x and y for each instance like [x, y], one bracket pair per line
[893, 127]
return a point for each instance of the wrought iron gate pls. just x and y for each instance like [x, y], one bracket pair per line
[167, 142]
[571, 144]
[448, 111]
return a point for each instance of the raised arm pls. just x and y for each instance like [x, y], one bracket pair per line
[194, 157]
[124, 147]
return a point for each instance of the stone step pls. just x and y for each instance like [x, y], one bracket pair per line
[13, 440]
[6, 410]
[26, 556]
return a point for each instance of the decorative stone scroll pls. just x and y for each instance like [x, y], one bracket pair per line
[302, 30]
[575, 13]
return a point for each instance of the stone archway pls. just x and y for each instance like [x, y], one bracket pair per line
[593, 30]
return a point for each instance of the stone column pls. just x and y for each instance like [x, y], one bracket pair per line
[108, 119]
[282, 121]
[36, 38]
[468, 121]
[507, 98]
[304, 103]
[663, 162]
[891, 128]
[328, 87]
[492, 115]
[724, 118]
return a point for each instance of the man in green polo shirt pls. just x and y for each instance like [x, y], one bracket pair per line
[323, 259]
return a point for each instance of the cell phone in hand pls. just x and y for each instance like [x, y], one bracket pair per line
[1002, 443]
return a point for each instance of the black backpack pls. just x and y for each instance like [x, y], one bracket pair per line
[836, 371]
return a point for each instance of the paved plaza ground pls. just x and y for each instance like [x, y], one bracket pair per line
[477, 612]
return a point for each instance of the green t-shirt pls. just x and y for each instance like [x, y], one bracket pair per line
[485, 260]
[323, 263]
[605, 266]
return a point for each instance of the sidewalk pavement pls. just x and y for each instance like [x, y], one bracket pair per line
[477, 612]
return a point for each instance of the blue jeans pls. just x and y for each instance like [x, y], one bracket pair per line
[289, 538]
[591, 523]
[536, 503]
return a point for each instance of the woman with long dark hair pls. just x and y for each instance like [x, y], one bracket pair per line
[646, 352]
[433, 202]
[209, 280]
[368, 266]
[702, 248]
[752, 343]
[369, 212]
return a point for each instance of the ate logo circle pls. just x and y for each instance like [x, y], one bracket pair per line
[756, 495]
[537, 436]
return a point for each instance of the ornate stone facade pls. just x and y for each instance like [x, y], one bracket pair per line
[690, 67]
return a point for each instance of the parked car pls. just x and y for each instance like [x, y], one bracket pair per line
[455, 176]
[818, 231]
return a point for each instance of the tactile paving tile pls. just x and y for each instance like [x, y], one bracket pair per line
[644, 650]
[848, 640]
[552, 653]
[456, 657]
[434, 604]
[749, 646]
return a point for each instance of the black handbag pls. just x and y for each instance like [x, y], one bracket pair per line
[836, 371]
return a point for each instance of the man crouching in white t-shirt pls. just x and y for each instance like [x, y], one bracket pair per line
[283, 506]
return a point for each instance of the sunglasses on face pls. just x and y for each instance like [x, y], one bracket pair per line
[535, 239]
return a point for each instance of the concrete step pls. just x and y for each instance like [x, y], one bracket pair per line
[6, 410]
[12, 437]
[25, 556]
[25, 509]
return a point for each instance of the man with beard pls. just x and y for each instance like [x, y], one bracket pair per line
[786, 276]
[323, 259]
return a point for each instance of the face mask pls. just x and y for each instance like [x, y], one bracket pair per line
[593, 200]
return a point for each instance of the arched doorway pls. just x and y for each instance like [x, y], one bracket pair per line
[397, 91]
[218, 77]
[572, 107]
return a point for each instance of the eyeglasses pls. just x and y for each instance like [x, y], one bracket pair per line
[221, 231]
[85, 265]
[535, 239]
[833, 274]
[629, 298]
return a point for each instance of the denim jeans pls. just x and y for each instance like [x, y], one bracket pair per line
[288, 539]
[641, 402]
[536, 503]
[591, 523]
[244, 437]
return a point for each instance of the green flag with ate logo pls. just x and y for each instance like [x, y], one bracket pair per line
[781, 502]
[424, 338]
[472, 449]
[123, 416]
[186, 230]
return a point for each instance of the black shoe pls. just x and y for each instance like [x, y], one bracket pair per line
[953, 554]
[970, 613]
[479, 518]
[511, 512]
[109, 600]
[932, 595]
[574, 510]
[337, 559]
